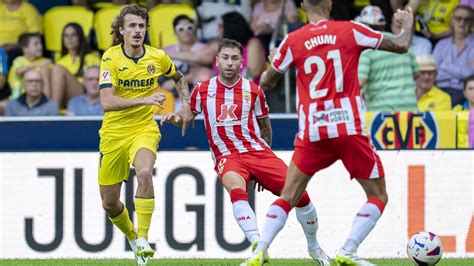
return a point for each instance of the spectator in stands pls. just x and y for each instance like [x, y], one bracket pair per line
[17, 17]
[387, 79]
[265, 17]
[32, 49]
[3, 70]
[430, 98]
[209, 12]
[89, 102]
[75, 57]
[434, 17]
[455, 55]
[232, 26]
[468, 92]
[33, 102]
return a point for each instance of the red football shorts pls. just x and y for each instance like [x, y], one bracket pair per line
[262, 166]
[356, 153]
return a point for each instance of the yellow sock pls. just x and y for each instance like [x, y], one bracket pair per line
[123, 222]
[144, 209]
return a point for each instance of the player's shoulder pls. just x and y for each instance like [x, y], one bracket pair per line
[154, 52]
[112, 53]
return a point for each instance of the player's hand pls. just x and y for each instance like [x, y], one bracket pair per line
[156, 99]
[187, 116]
[258, 186]
[404, 17]
[173, 118]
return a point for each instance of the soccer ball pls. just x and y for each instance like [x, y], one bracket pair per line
[424, 248]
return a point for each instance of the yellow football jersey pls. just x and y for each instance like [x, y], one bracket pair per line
[132, 78]
[437, 14]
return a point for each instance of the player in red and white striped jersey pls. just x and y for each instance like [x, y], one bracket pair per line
[239, 133]
[331, 116]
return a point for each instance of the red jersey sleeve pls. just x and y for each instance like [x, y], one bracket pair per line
[365, 37]
[195, 100]
[261, 107]
[283, 56]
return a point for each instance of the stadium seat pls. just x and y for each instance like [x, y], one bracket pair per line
[161, 30]
[102, 21]
[57, 17]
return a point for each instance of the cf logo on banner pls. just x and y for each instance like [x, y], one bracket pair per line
[227, 112]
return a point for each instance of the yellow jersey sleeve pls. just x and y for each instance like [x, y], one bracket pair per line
[108, 76]
[166, 65]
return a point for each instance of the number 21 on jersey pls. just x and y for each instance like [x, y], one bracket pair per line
[335, 55]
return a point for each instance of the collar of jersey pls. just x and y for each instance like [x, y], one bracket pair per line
[227, 86]
[316, 23]
[134, 59]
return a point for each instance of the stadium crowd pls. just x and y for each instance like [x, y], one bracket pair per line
[437, 74]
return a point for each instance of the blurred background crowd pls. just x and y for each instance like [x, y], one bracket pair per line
[50, 51]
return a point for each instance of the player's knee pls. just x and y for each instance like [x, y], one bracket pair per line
[144, 175]
[110, 206]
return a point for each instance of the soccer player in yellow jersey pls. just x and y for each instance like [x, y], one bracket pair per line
[129, 134]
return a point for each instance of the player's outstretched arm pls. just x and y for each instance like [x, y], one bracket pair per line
[270, 78]
[265, 129]
[401, 42]
[110, 102]
[183, 91]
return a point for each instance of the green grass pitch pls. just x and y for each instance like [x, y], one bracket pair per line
[199, 262]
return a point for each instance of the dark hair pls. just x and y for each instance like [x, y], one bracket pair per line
[177, 19]
[470, 78]
[119, 20]
[25, 38]
[230, 43]
[83, 48]
[236, 28]
[467, 8]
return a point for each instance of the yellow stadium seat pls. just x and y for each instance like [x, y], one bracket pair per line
[161, 30]
[102, 21]
[302, 15]
[57, 17]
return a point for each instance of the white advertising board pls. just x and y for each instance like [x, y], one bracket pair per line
[51, 207]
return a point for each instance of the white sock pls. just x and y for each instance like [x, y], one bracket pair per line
[308, 219]
[245, 217]
[363, 223]
[274, 222]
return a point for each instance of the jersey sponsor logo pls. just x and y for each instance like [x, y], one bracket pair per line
[136, 82]
[106, 59]
[151, 69]
[105, 76]
[404, 131]
[122, 69]
[335, 116]
[227, 116]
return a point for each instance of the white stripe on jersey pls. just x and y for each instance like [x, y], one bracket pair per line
[285, 64]
[211, 109]
[312, 127]
[301, 122]
[364, 40]
[350, 125]
[198, 103]
[229, 129]
[361, 110]
[245, 117]
[332, 127]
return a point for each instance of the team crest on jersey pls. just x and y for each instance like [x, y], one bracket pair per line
[151, 69]
[246, 97]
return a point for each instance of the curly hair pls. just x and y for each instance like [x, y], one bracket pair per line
[120, 20]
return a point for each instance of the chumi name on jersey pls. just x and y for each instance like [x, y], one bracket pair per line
[136, 82]
[318, 40]
[332, 117]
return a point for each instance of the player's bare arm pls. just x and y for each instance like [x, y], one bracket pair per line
[270, 78]
[110, 102]
[183, 91]
[265, 129]
[174, 118]
[401, 42]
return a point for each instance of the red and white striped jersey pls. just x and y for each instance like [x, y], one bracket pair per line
[230, 115]
[326, 57]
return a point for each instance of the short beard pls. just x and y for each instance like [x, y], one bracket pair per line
[136, 46]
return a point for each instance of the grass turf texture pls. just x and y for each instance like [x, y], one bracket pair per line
[198, 262]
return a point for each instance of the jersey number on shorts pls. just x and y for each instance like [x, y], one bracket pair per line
[335, 55]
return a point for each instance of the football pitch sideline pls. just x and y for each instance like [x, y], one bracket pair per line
[205, 262]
